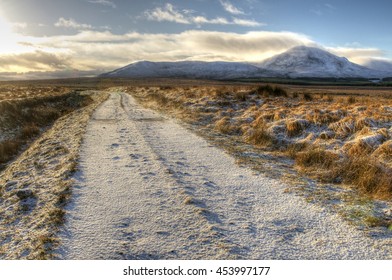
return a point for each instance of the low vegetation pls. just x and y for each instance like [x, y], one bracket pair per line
[334, 137]
[45, 131]
[22, 119]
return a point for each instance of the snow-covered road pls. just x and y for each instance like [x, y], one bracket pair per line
[150, 189]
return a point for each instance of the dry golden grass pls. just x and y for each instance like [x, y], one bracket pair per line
[295, 127]
[260, 137]
[8, 149]
[23, 118]
[316, 158]
[38, 182]
[29, 131]
[321, 130]
[384, 152]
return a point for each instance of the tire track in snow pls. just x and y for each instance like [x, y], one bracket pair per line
[127, 204]
[150, 189]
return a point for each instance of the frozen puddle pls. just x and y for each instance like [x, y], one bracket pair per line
[150, 189]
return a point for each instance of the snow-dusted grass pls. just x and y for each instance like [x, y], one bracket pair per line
[148, 188]
[23, 117]
[326, 134]
[35, 187]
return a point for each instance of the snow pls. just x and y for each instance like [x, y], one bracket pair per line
[150, 189]
[300, 61]
[303, 61]
[380, 65]
[188, 69]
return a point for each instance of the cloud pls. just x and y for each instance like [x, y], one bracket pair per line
[117, 50]
[103, 2]
[19, 25]
[37, 60]
[231, 8]
[92, 51]
[71, 23]
[167, 13]
[171, 14]
[245, 22]
[357, 55]
[40, 75]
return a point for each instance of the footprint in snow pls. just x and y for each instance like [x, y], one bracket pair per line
[210, 184]
[135, 156]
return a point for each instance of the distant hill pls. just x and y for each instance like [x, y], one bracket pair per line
[297, 62]
[189, 69]
[305, 61]
[380, 65]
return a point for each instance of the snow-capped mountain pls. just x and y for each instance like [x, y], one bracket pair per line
[189, 69]
[302, 61]
[380, 65]
[297, 62]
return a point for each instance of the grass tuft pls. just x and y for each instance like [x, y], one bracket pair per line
[316, 157]
[271, 91]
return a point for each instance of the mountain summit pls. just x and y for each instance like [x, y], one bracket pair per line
[303, 61]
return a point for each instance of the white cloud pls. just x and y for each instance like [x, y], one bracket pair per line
[229, 7]
[71, 23]
[103, 2]
[167, 13]
[357, 55]
[37, 60]
[82, 50]
[245, 22]
[19, 25]
[171, 14]
[90, 50]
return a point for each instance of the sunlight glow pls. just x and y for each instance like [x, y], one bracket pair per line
[8, 43]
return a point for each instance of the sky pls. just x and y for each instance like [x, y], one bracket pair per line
[57, 38]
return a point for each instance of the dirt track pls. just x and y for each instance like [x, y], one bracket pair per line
[150, 189]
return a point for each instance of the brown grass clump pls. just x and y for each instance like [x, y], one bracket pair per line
[241, 95]
[351, 100]
[368, 175]
[159, 98]
[272, 91]
[315, 158]
[350, 125]
[221, 93]
[324, 117]
[259, 136]
[384, 152]
[365, 173]
[365, 145]
[57, 215]
[29, 131]
[293, 149]
[223, 125]
[8, 148]
[295, 127]
[307, 97]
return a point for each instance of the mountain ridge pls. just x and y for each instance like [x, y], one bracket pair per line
[189, 69]
[297, 62]
[303, 61]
